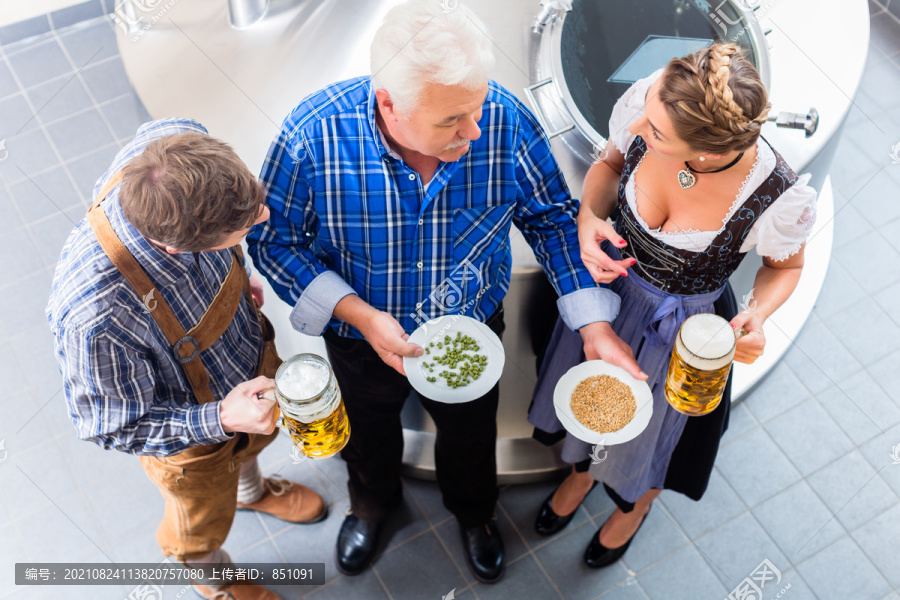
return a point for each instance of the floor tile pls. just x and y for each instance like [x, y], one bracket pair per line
[65, 532]
[889, 301]
[18, 316]
[116, 498]
[45, 194]
[20, 428]
[718, 505]
[891, 231]
[92, 42]
[87, 169]
[29, 152]
[59, 98]
[125, 115]
[819, 359]
[364, 585]
[658, 537]
[248, 531]
[860, 407]
[776, 393]
[886, 373]
[9, 213]
[630, 590]
[16, 116]
[842, 571]
[523, 579]
[885, 34]
[80, 135]
[798, 521]
[418, 569]
[22, 30]
[851, 169]
[866, 330]
[106, 80]
[878, 539]
[839, 291]
[8, 85]
[564, 563]
[521, 503]
[53, 233]
[427, 497]
[808, 436]
[77, 13]
[734, 550]
[38, 63]
[849, 225]
[11, 551]
[682, 576]
[853, 490]
[755, 467]
[34, 350]
[740, 421]
[313, 543]
[880, 267]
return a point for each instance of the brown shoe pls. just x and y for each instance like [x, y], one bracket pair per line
[289, 502]
[246, 591]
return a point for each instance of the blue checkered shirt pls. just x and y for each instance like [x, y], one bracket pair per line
[124, 388]
[349, 216]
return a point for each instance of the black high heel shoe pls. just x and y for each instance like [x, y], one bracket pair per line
[548, 522]
[597, 555]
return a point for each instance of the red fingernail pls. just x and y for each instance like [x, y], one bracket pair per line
[732, 326]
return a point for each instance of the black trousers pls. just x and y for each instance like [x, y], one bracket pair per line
[464, 452]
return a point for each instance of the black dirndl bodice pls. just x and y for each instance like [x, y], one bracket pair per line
[687, 272]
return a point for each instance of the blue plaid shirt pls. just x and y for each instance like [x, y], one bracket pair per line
[124, 388]
[349, 216]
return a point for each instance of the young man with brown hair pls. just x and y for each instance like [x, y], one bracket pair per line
[161, 344]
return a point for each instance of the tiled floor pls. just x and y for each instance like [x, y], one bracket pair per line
[805, 478]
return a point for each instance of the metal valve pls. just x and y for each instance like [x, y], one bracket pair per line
[808, 122]
[550, 11]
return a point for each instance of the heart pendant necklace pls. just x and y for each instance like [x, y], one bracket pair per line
[686, 177]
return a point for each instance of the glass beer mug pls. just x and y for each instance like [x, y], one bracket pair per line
[700, 363]
[311, 405]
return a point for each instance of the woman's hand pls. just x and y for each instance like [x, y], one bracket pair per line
[592, 230]
[749, 347]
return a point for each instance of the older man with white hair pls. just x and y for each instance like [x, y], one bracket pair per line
[381, 190]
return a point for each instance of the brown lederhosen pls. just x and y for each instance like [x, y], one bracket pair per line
[199, 484]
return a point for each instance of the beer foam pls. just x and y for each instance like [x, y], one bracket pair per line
[706, 341]
[303, 379]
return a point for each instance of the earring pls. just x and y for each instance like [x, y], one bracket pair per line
[702, 158]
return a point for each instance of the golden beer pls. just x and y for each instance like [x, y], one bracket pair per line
[312, 408]
[700, 363]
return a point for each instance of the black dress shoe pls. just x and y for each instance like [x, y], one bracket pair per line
[597, 555]
[484, 551]
[356, 545]
[548, 522]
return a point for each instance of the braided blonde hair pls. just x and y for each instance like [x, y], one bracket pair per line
[715, 98]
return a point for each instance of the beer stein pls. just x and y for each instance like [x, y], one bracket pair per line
[312, 409]
[700, 363]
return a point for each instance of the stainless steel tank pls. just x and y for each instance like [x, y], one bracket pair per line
[241, 84]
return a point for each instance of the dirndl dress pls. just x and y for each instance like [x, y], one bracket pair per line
[665, 287]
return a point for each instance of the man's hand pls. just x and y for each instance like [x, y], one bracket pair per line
[242, 410]
[387, 337]
[256, 289]
[600, 341]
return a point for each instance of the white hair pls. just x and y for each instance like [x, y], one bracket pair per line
[429, 41]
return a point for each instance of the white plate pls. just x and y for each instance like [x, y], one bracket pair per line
[434, 331]
[562, 401]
